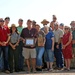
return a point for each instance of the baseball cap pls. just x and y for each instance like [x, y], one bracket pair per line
[61, 24]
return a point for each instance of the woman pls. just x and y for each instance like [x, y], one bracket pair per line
[49, 48]
[13, 48]
[67, 47]
[40, 48]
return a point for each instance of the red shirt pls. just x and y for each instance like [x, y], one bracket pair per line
[4, 32]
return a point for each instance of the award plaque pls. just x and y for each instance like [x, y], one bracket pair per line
[40, 41]
[29, 42]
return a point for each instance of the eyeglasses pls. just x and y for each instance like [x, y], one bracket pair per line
[1, 21]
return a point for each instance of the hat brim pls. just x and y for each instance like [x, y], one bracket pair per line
[45, 22]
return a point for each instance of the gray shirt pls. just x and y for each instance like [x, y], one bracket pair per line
[58, 34]
[14, 37]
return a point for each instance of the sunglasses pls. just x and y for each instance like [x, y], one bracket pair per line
[1, 21]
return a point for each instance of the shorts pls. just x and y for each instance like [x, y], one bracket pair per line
[49, 55]
[29, 53]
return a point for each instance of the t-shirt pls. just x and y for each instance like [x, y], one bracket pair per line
[41, 34]
[19, 29]
[26, 33]
[48, 43]
[14, 37]
[73, 35]
[4, 33]
[58, 34]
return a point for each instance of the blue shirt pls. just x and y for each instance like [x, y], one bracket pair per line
[48, 43]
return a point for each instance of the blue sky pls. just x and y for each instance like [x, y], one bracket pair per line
[38, 10]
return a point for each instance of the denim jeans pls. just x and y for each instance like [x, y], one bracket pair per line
[1, 60]
[39, 52]
[4, 49]
[49, 55]
[21, 58]
[59, 56]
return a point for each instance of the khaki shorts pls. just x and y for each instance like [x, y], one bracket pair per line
[29, 53]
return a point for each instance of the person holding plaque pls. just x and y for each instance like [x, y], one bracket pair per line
[40, 48]
[29, 36]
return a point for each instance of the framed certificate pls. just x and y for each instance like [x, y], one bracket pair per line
[29, 42]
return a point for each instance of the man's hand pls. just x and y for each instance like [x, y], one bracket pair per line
[4, 43]
[1, 43]
[32, 46]
[23, 40]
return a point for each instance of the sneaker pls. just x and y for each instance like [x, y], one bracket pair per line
[50, 70]
[65, 69]
[68, 69]
[28, 72]
[34, 71]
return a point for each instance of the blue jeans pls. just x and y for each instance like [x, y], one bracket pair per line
[39, 52]
[49, 55]
[21, 58]
[59, 56]
[1, 60]
[4, 50]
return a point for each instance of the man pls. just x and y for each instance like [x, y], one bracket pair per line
[7, 20]
[73, 42]
[29, 51]
[53, 22]
[61, 26]
[58, 34]
[4, 39]
[33, 24]
[21, 59]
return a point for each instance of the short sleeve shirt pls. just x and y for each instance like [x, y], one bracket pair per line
[58, 34]
[14, 38]
[19, 29]
[4, 33]
[48, 43]
[26, 33]
[73, 36]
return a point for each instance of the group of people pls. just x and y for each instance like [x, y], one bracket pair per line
[53, 44]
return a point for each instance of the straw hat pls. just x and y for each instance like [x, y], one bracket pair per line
[45, 22]
[13, 25]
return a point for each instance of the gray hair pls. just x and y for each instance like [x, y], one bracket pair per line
[46, 27]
